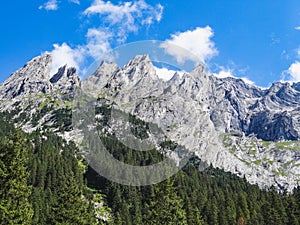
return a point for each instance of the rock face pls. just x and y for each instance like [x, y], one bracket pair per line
[273, 127]
[32, 78]
[65, 80]
[241, 128]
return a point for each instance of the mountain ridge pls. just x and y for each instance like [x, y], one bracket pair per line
[241, 128]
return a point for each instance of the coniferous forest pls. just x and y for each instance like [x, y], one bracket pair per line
[44, 180]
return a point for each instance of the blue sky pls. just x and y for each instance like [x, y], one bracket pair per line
[257, 40]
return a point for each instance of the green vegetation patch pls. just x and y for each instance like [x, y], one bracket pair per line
[288, 145]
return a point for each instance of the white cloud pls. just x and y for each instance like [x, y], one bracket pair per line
[53, 4]
[50, 5]
[96, 47]
[197, 42]
[123, 19]
[224, 73]
[166, 74]
[98, 42]
[248, 81]
[294, 72]
[64, 54]
[75, 1]
[297, 28]
[126, 17]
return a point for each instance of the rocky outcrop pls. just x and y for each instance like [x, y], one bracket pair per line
[65, 80]
[273, 127]
[32, 78]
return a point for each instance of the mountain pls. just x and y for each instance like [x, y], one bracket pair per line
[241, 128]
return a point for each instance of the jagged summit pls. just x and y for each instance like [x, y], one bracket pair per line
[138, 59]
[140, 65]
[34, 77]
[65, 80]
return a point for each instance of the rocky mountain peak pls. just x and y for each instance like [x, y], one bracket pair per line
[65, 80]
[33, 77]
[140, 65]
[63, 73]
[36, 68]
[199, 69]
[106, 69]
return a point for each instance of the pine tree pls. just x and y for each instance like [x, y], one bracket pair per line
[167, 207]
[14, 193]
[70, 206]
[193, 215]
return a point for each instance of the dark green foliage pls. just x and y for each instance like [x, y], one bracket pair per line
[61, 119]
[58, 183]
[165, 205]
[169, 145]
[139, 128]
[41, 180]
[42, 183]
[15, 207]
[209, 197]
[130, 156]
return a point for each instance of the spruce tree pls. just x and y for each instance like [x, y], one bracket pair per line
[166, 206]
[14, 193]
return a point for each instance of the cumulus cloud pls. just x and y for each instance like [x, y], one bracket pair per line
[65, 54]
[50, 5]
[166, 74]
[294, 72]
[97, 45]
[198, 43]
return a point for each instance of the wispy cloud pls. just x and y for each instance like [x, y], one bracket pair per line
[50, 5]
[297, 28]
[116, 22]
[75, 1]
[274, 39]
[98, 42]
[197, 41]
[125, 17]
